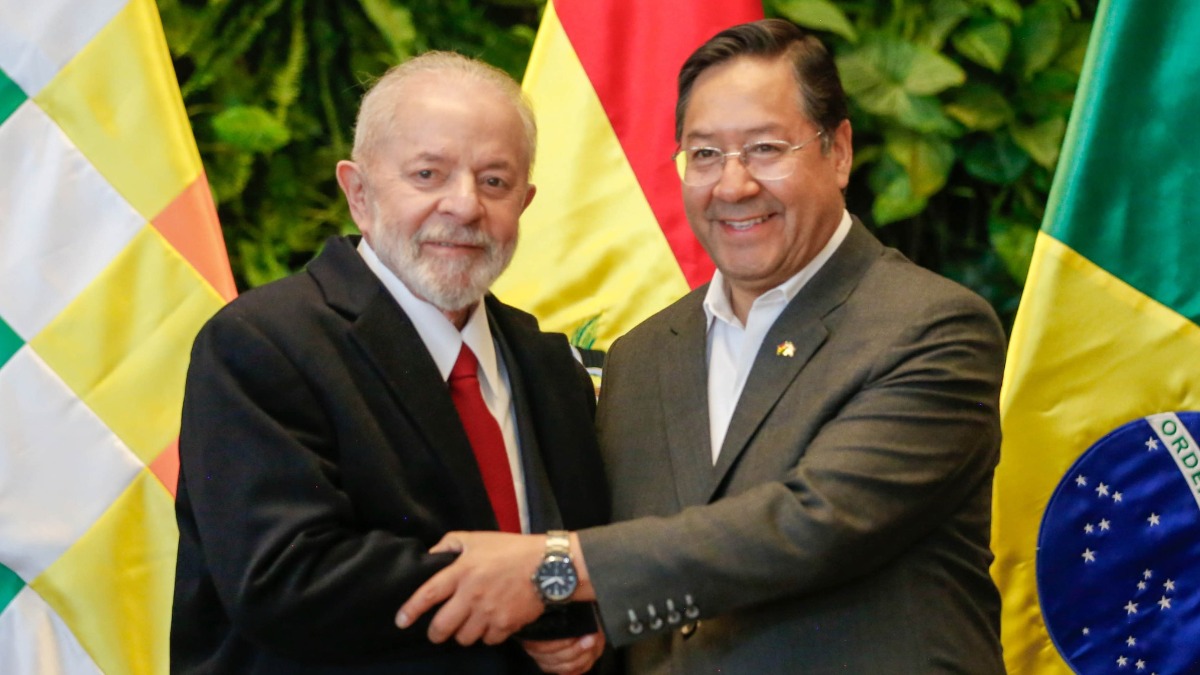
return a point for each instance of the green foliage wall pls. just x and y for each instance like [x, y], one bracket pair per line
[958, 106]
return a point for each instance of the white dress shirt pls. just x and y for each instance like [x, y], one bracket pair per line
[732, 346]
[444, 341]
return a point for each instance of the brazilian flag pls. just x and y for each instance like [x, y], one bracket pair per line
[1096, 524]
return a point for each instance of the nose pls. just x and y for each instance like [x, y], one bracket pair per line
[461, 199]
[735, 183]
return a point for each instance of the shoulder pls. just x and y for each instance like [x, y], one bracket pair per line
[685, 314]
[525, 336]
[896, 287]
[277, 303]
[337, 283]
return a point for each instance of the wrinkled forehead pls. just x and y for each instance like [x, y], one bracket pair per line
[429, 108]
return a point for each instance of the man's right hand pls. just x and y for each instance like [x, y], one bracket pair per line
[570, 656]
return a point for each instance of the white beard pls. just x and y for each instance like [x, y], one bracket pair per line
[449, 285]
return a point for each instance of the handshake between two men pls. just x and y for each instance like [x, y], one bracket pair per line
[499, 584]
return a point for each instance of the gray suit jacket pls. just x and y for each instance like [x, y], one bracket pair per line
[845, 526]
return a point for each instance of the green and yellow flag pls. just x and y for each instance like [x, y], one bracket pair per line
[1097, 497]
[111, 258]
[605, 244]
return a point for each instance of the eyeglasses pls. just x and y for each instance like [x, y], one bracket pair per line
[764, 160]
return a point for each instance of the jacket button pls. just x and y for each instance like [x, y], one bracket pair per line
[635, 626]
[656, 621]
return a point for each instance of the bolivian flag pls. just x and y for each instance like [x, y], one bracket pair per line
[605, 244]
[110, 260]
[1097, 501]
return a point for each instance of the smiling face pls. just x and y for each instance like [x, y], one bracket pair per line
[439, 197]
[761, 232]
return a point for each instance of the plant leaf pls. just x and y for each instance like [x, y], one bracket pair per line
[885, 70]
[980, 107]
[1037, 38]
[995, 159]
[926, 115]
[395, 23]
[818, 15]
[1013, 241]
[942, 17]
[250, 129]
[1004, 9]
[894, 198]
[985, 41]
[1042, 140]
[927, 160]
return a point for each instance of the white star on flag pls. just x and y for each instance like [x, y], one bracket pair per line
[1089, 555]
[1147, 574]
[1102, 490]
[1152, 444]
[1104, 523]
[1122, 661]
[1117, 497]
[1164, 602]
[1153, 519]
[1081, 481]
[1089, 528]
[1131, 641]
[1131, 607]
[1169, 584]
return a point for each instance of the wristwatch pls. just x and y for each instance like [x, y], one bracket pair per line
[556, 579]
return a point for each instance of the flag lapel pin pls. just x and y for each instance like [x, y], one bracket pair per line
[786, 348]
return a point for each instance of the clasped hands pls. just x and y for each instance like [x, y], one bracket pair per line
[488, 596]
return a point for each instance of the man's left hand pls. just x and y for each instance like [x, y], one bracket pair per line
[487, 590]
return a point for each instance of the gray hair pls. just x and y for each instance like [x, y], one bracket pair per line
[376, 112]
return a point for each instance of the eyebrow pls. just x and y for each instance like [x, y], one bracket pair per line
[707, 136]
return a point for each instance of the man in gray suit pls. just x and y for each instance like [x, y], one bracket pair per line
[802, 450]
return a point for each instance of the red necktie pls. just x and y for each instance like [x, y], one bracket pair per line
[486, 440]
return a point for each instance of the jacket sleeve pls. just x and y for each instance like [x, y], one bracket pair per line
[264, 518]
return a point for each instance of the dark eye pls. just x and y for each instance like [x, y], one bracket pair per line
[495, 182]
[426, 174]
[704, 156]
[765, 150]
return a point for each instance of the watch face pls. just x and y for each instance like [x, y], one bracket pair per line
[556, 578]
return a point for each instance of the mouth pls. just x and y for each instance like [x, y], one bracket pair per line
[450, 244]
[741, 225]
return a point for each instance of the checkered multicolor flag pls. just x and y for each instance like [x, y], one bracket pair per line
[110, 260]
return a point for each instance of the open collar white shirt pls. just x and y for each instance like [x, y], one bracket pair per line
[733, 345]
[444, 341]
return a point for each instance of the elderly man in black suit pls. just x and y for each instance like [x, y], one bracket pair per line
[339, 422]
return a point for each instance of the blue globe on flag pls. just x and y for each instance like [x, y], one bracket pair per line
[1118, 562]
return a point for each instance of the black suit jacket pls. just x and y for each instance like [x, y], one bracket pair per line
[321, 456]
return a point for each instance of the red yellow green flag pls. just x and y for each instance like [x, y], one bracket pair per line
[605, 243]
[111, 258]
[1097, 496]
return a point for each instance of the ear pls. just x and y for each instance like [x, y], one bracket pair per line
[842, 152]
[529, 193]
[353, 181]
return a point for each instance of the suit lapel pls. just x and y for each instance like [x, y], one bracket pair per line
[801, 324]
[390, 341]
[683, 388]
[543, 512]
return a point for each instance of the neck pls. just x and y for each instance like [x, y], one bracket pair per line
[740, 299]
[457, 317]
